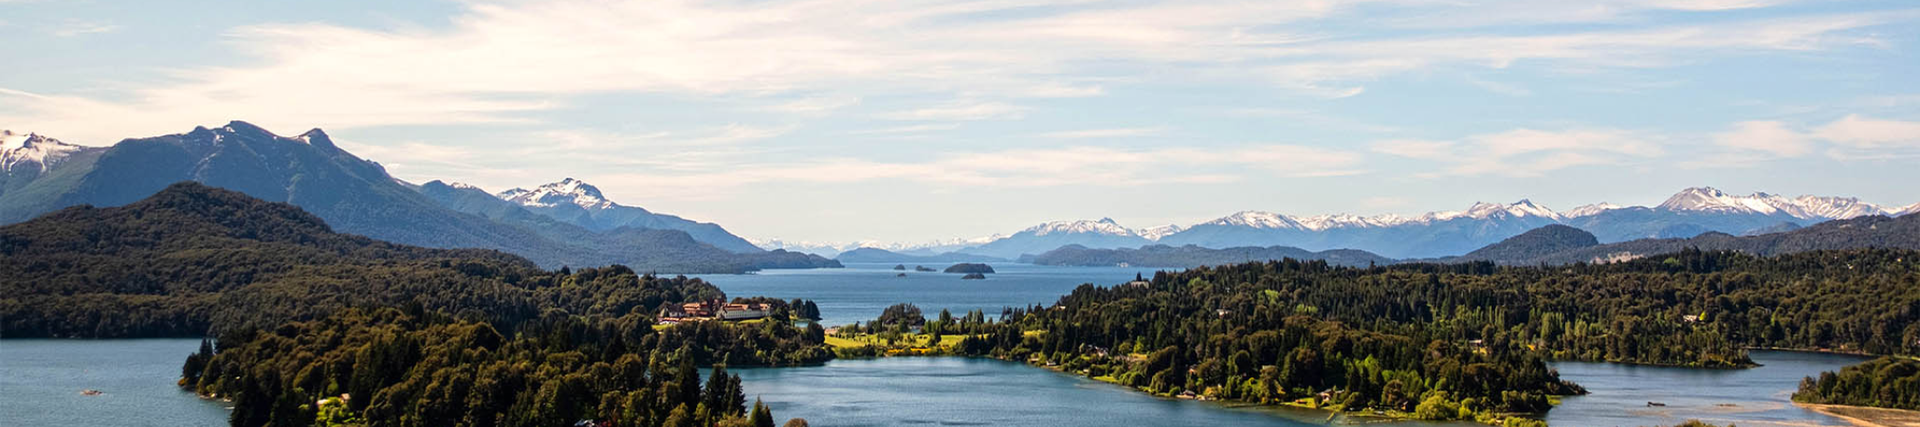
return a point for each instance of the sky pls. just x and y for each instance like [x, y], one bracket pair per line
[904, 121]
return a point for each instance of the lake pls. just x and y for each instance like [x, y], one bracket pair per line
[1749, 397]
[859, 291]
[41, 380]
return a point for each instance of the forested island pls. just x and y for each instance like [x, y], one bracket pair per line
[969, 267]
[1439, 341]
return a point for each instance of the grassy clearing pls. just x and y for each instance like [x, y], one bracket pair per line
[918, 340]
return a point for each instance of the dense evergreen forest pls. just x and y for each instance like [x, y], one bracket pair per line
[1886, 382]
[319, 328]
[1466, 337]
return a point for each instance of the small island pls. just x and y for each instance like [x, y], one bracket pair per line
[973, 276]
[923, 268]
[901, 267]
[969, 267]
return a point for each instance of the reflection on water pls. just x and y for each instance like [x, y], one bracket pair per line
[1747, 397]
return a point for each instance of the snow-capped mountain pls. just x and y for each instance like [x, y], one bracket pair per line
[1589, 210]
[1256, 220]
[1685, 214]
[1323, 222]
[566, 191]
[1103, 226]
[1155, 233]
[1709, 199]
[1103, 233]
[1909, 210]
[577, 202]
[27, 152]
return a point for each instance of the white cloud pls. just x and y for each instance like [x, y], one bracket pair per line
[1860, 133]
[818, 104]
[1769, 137]
[1847, 138]
[81, 28]
[907, 129]
[961, 111]
[1526, 152]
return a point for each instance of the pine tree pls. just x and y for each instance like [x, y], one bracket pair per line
[762, 417]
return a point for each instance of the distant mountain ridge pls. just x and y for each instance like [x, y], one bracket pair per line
[353, 195]
[582, 204]
[1564, 245]
[1690, 212]
[1194, 256]
[884, 256]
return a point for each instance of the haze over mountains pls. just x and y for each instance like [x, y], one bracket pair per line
[358, 196]
[1689, 213]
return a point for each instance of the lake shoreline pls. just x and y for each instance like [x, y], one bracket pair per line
[1866, 416]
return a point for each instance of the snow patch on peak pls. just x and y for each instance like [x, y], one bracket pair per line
[1258, 219]
[466, 186]
[1591, 210]
[1835, 207]
[10, 140]
[1102, 226]
[566, 191]
[1155, 233]
[1328, 222]
[1909, 210]
[1708, 199]
[19, 151]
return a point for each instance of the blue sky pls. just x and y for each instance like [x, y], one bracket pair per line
[839, 120]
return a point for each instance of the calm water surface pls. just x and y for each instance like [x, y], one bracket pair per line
[952, 391]
[860, 291]
[41, 380]
[1748, 397]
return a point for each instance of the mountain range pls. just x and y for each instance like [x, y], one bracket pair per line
[358, 196]
[1558, 244]
[1689, 213]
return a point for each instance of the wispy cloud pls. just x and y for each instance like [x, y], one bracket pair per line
[961, 111]
[908, 129]
[73, 28]
[817, 104]
[1853, 137]
[1104, 133]
[1526, 152]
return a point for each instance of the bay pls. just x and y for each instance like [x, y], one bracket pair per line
[41, 381]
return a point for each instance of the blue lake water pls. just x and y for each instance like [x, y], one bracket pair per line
[859, 291]
[41, 380]
[1747, 397]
